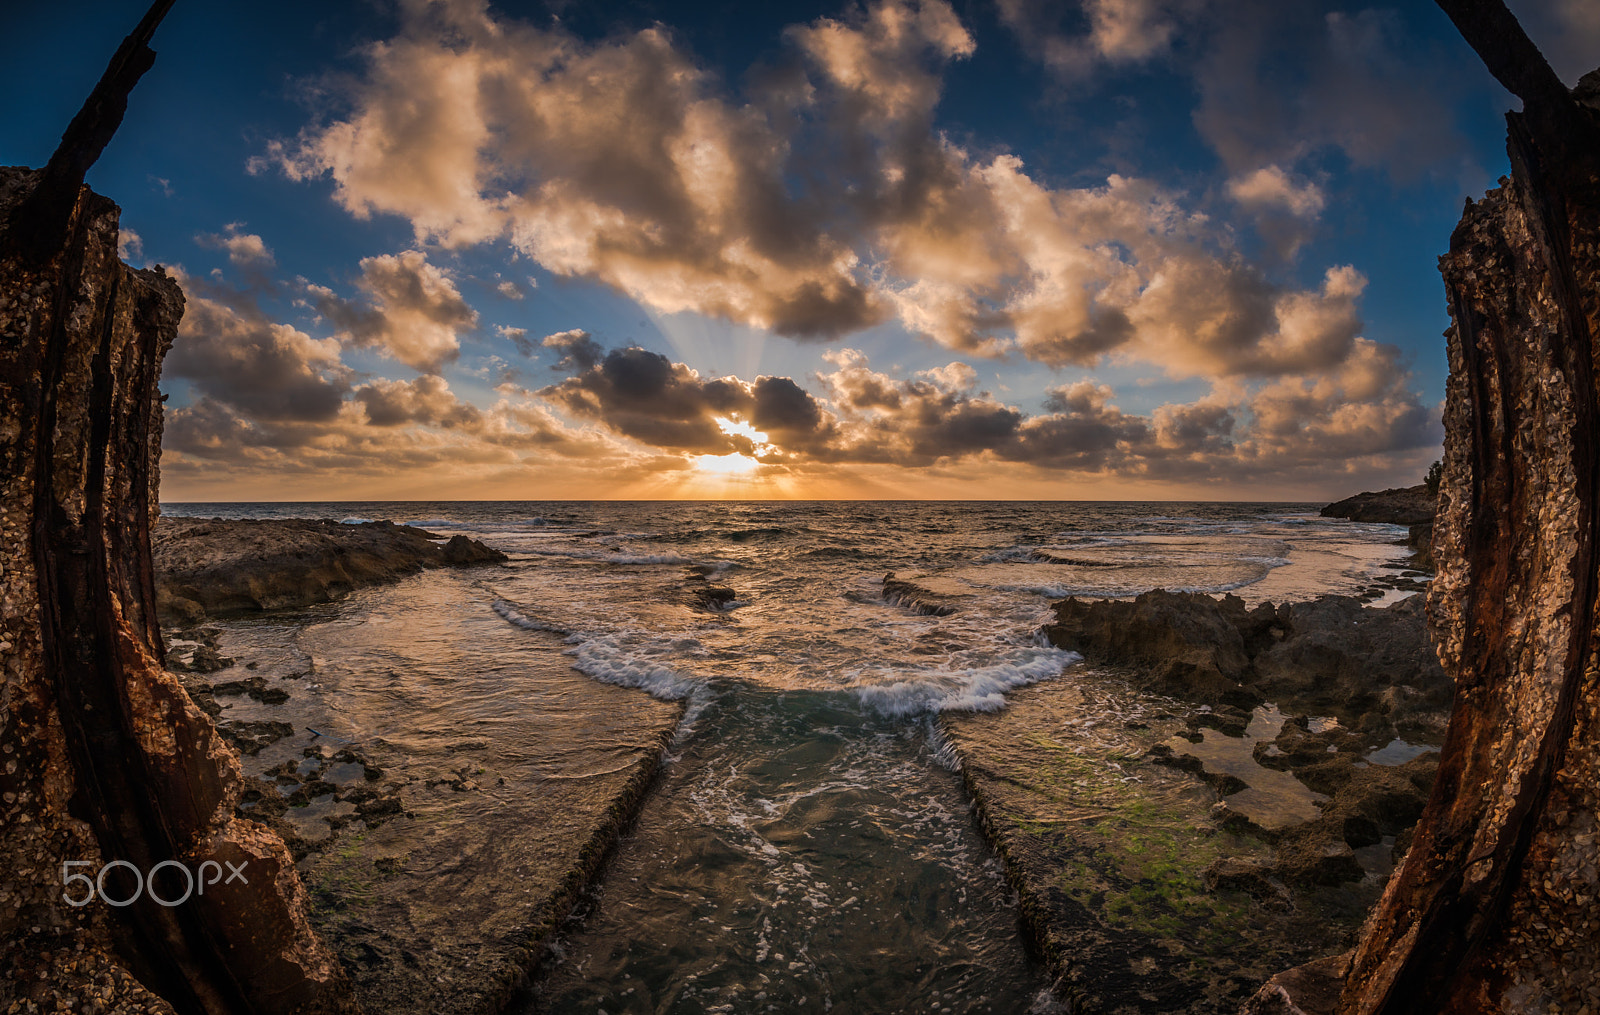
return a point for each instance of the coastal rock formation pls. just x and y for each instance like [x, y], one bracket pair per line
[1222, 788]
[106, 759]
[1331, 654]
[213, 567]
[1493, 908]
[1412, 505]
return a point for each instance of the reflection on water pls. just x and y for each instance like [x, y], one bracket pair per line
[800, 856]
[804, 850]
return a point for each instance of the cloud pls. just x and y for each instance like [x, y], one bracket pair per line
[519, 338]
[1285, 207]
[233, 354]
[578, 351]
[245, 250]
[426, 399]
[412, 310]
[1294, 426]
[1271, 188]
[1281, 82]
[509, 290]
[1119, 32]
[1567, 31]
[645, 396]
[130, 247]
[824, 201]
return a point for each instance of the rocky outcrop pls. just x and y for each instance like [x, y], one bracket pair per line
[1493, 909]
[214, 567]
[1329, 654]
[106, 758]
[1412, 505]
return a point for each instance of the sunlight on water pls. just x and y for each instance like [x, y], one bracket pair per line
[805, 847]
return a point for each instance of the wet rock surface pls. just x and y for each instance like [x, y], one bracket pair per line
[221, 567]
[1219, 793]
[435, 873]
[1375, 667]
[920, 594]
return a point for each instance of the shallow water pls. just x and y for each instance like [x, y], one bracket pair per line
[805, 849]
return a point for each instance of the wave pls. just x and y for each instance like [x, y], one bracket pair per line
[517, 618]
[908, 596]
[759, 532]
[1053, 555]
[976, 689]
[605, 557]
[605, 659]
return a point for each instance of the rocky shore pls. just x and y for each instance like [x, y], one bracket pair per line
[1413, 506]
[217, 567]
[436, 863]
[1250, 778]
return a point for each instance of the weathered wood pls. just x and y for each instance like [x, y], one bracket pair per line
[103, 757]
[38, 225]
[1493, 908]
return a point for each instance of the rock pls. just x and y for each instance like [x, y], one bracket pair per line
[915, 597]
[1311, 856]
[1342, 654]
[1189, 646]
[1252, 877]
[458, 550]
[250, 737]
[1311, 989]
[204, 659]
[255, 687]
[1412, 505]
[715, 597]
[107, 756]
[1332, 653]
[1420, 539]
[217, 567]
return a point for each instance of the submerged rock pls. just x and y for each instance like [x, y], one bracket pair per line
[917, 598]
[216, 567]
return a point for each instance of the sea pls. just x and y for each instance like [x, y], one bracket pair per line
[809, 845]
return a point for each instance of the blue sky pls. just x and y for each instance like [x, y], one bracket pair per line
[1122, 248]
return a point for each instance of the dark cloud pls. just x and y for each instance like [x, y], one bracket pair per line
[427, 400]
[1280, 81]
[645, 396]
[233, 353]
[578, 351]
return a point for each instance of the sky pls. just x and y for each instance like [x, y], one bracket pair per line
[964, 249]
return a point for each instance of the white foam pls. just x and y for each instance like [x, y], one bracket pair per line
[605, 659]
[519, 619]
[975, 689]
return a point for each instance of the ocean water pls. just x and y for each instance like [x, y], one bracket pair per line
[807, 848]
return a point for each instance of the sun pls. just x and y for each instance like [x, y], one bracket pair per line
[733, 463]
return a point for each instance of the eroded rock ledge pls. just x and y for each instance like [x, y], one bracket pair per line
[214, 567]
[1220, 792]
[1330, 653]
